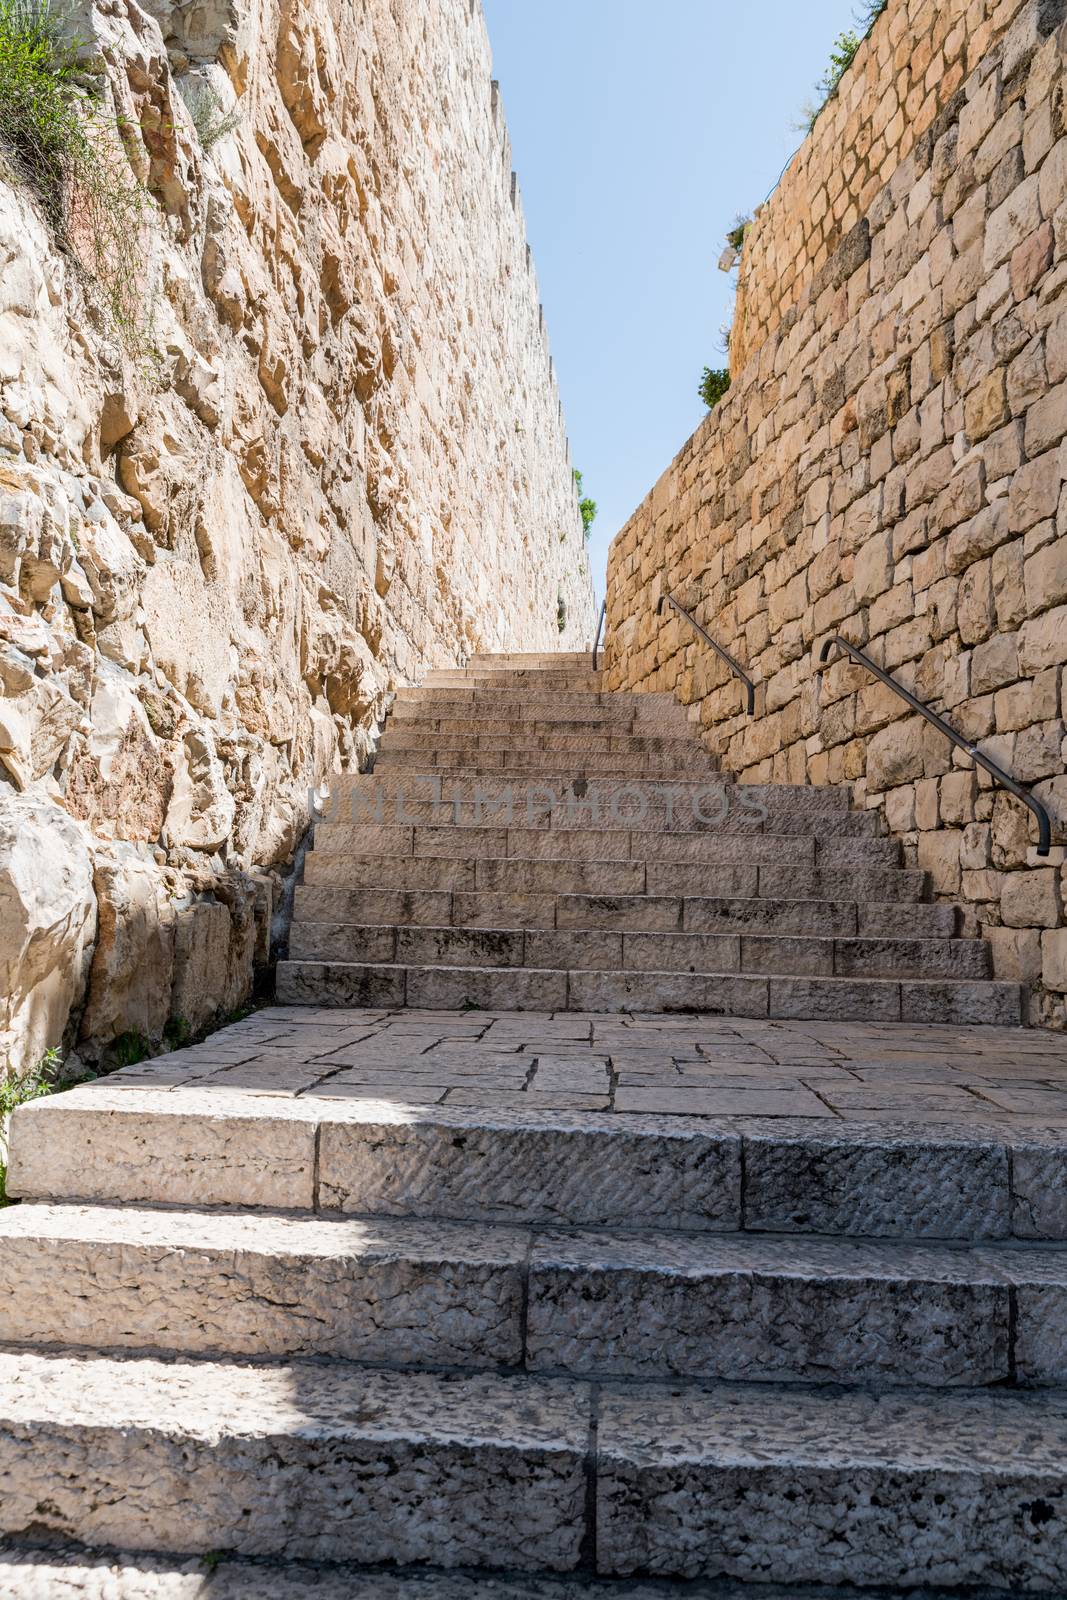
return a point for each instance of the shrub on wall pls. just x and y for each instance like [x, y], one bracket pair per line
[586, 506]
[713, 385]
[58, 140]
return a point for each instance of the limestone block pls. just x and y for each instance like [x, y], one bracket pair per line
[201, 810]
[1054, 959]
[47, 925]
[133, 960]
[895, 754]
[1032, 899]
[1045, 577]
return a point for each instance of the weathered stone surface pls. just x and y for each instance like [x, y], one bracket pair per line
[47, 924]
[679, 1477]
[657, 1306]
[239, 1284]
[374, 1465]
[211, 582]
[890, 462]
[506, 1167]
[882, 1183]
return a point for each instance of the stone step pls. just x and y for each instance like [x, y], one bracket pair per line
[514, 945]
[557, 766]
[457, 988]
[570, 681]
[408, 736]
[626, 728]
[298, 1461]
[325, 897]
[76, 1573]
[888, 892]
[540, 803]
[531, 660]
[475, 706]
[575, 1304]
[550, 704]
[727, 845]
[118, 1141]
[715, 796]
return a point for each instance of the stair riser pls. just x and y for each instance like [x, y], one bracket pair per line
[526, 989]
[893, 1326]
[712, 848]
[324, 898]
[931, 1525]
[402, 737]
[514, 679]
[556, 768]
[536, 806]
[298, 1495]
[608, 951]
[895, 893]
[538, 1168]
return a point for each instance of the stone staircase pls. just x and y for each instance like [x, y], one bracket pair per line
[280, 1331]
[527, 840]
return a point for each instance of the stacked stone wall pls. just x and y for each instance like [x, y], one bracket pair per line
[890, 465]
[336, 457]
[915, 58]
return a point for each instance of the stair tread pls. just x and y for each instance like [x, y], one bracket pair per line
[292, 1237]
[76, 1573]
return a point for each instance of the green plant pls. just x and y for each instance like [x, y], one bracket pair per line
[58, 139]
[177, 1034]
[842, 56]
[128, 1049]
[586, 506]
[209, 116]
[736, 236]
[713, 385]
[39, 1081]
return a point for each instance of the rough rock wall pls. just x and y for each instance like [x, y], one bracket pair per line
[337, 458]
[913, 61]
[891, 465]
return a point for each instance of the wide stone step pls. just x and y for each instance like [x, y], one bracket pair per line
[405, 736]
[294, 1460]
[428, 801]
[457, 988]
[326, 897]
[530, 660]
[578, 1304]
[76, 1573]
[625, 730]
[118, 1141]
[570, 681]
[724, 846]
[760, 1483]
[515, 945]
[888, 890]
[559, 767]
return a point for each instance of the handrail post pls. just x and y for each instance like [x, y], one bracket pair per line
[997, 773]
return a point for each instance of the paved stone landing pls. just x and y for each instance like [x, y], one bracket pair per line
[971, 1077]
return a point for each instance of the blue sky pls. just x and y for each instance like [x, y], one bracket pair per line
[640, 128]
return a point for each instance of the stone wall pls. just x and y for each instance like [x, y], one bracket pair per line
[890, 464]
[333, 457]
[915, 58]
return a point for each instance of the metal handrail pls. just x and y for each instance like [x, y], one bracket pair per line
[724, 655]
[599, 630]
[1044, 821]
